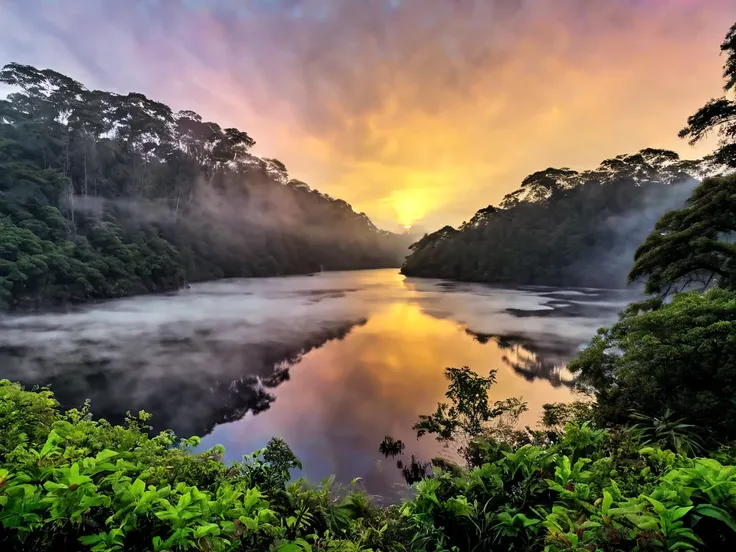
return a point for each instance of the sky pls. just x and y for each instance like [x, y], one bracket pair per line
[417, 112]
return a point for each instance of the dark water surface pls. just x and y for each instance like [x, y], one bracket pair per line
[331, 363]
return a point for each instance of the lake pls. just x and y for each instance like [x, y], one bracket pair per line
[331, 362]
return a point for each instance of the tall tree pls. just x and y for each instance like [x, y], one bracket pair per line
[165, 198]
[719, 114]
[692, 246]
[561, 225]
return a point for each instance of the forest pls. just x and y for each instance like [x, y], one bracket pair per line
[104, 195]
[580, 228]
[561, 224]
[645, 462]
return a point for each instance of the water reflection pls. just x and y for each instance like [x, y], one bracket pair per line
[330, 363]
[346, 396]
[191, 403]
[534, 360]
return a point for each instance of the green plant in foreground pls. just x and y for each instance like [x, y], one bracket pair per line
[77, 483]
[668, 432]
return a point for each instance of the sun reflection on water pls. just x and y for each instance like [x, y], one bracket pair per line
[343, 398]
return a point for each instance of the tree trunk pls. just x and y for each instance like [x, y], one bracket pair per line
[71, 205]
[71, 184]
[85, 178]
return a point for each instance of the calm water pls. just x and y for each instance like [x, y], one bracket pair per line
[331, 363]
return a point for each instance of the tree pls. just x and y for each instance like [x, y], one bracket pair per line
[561, 225]
[692, 246]
[719, 114]
[470, 413]
[681, 357]
[165, 199]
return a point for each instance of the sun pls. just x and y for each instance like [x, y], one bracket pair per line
[407, 227]
[408, 205]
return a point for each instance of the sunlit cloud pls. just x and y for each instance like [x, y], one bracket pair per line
[417, 112]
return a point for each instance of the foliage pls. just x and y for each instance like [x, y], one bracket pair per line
[692, 247]
[470, 411]
[559, 224]
[104, 195]
[581, 488]
[558, 498]
[68, 482]
[668, 433]
[679, 356]
[78, 483]
[557, 415]
[391, 447]
[719, 114]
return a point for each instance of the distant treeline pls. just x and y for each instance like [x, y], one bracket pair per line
[105, 195]
[568, 228]
[562, 227]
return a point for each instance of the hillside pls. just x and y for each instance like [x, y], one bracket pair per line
[104, 195]
[562, 227]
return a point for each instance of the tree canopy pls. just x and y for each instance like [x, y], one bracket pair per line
[104, 195]
[719, 114]
[680, 356]
[561, 225]
[692, 246]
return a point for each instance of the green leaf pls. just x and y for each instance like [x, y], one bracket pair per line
[91, 540]
[715, 512]
[607, 502]
[680, 512]
[106, 454]
[51, 486]
[138, 487]
[304, 544]
[289, 547]
[207, 529]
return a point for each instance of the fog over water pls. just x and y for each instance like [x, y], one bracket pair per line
[330, 362]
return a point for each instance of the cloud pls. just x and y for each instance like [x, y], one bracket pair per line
[413, 110]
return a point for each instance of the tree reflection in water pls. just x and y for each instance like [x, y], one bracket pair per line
[190, 405]
[533, 359]
[414, 471]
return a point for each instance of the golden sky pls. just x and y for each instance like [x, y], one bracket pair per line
[414, 111]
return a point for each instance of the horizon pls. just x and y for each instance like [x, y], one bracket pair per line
[417, 117]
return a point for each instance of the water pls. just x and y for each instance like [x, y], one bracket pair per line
[331, 363]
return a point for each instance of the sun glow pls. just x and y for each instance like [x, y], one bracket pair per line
[409, 206]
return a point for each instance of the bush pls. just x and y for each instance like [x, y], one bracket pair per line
[680, 356]
[68, 482]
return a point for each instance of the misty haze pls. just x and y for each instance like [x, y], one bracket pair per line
[350, 355]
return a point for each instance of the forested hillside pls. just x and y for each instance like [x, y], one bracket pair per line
[562, 227]
[105, 195]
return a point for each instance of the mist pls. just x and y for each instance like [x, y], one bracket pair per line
[195, 358]
[215, 352]
[247, 194]
[432, 100]
[628, 231]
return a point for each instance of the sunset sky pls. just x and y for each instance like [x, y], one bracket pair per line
[417, 112]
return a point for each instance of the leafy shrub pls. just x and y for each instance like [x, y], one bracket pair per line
[68, 481]
[680, 356]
